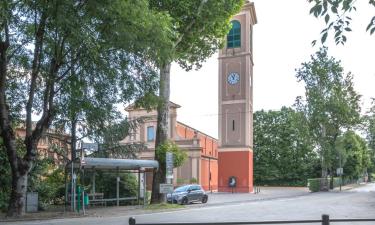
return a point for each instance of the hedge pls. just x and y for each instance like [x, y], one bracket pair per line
[322, 184]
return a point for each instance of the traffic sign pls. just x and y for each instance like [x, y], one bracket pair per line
[166, 188]
[169, 165]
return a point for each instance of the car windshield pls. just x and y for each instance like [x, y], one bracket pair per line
[181, 189]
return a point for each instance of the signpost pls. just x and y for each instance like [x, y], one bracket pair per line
[166, 188]
[340, 172]
[169, 167]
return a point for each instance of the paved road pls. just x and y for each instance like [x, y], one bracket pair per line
[356, 203]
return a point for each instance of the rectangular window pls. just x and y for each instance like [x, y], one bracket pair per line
[150, 133]
[233, 125]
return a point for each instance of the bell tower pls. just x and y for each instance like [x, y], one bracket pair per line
[236, 104]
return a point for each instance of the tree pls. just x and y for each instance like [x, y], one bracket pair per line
[336, 15]
[198, 32]
[46, 56]
[331, 104]
[283, 148]
[355, 155]
[370, 135]
[109, 138]
[370, 118]
[179, 156]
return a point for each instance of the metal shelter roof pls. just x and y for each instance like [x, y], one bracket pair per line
[117, 164]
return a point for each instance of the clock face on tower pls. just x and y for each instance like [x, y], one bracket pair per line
[233, 78]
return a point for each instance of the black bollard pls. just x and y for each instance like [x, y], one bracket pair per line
[131, 221]
[325, 219]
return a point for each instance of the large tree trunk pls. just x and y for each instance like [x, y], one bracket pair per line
[162, 130]
[19, 167]
[18, 195]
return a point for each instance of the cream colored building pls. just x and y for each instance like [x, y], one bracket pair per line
[201, 165]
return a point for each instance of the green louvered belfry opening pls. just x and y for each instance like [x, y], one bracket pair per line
[234, 36]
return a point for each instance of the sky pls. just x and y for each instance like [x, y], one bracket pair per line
[282, 41]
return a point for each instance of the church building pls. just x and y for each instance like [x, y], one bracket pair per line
[201, 165]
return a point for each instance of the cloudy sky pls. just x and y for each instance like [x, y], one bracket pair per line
[282, 41]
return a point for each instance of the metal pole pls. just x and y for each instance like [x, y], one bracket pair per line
[209, 174]
[144, 189]
[118, 190]
[83, 201]
[83, 191]
[66, 188]
[139, 187]
[93, 191]
[325, 219]
[340, 170]
[72, 188]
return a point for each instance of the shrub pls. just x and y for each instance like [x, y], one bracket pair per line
[313, 184]
[193, 180]
[181, 181]
[336, 182]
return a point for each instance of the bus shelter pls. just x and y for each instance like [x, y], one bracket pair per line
[117, 166]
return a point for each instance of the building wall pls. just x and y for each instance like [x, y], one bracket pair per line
[201, 148]
[209, 165]
[208, 158]
[46, 142]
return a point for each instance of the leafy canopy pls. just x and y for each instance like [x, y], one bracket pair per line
[198, 28]
[179, 156]
[331, 103]
[337, 17]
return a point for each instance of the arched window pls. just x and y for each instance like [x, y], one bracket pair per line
[234, 36]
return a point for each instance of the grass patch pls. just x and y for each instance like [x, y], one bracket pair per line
[164, 206]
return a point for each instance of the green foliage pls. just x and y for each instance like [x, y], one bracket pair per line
[198, 30]
[181, 181]
[314, 184]
[369, 128]
[5, 178]
[164, 206]
[355, 155]
[106, 183]
[71, 62]
[45, 178]
[193, 180]
[337, 16]
[109, 138]
[331, 103]
[283, 150]
[179, 155]
[49, 182]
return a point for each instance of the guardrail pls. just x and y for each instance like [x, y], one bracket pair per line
[325, 220]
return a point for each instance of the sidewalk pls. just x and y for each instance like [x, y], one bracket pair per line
[266, 193]
[214, 199]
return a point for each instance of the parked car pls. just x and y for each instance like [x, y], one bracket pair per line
[189, 193]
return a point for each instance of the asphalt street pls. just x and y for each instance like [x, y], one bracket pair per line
[355, 203]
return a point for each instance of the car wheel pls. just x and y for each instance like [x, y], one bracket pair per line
[204, 199]
[184, 201]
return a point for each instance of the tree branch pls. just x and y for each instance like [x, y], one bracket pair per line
[188, 27]
[39, 36]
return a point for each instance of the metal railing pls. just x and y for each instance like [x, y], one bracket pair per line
[325, 220]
